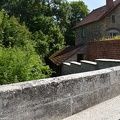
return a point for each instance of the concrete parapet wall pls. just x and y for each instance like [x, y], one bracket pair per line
[60, 97]
[105, 63]
[70, 68]
[76, 67]
[87, 66]
[66, 68]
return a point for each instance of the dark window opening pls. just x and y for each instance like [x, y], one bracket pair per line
[113, 18]
[80, 57]
[83, 32]
[113, 35]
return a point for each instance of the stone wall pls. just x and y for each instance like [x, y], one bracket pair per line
[92, 33]
[107, 22]
[109, 49]
[60, 97]
[97, 30]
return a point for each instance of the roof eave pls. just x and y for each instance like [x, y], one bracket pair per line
[85, 24]
[101, 18]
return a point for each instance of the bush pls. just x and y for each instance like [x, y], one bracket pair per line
[17, 65]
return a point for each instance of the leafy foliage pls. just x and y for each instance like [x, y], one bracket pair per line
[12, 33]
[18, 65]
[18, 59]
[31, 30]
[78, 11]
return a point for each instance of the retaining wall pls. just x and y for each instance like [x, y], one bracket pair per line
[60, 97]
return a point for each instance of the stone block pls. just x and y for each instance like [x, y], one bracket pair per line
[82, 102]
[68, 87]
[115, 89]
[53, 111]
[102, 80]
[115, 75]
[104, 94]
[88, 83]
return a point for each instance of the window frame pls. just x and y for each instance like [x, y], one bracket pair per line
[112, 33]
[113, 18]
[83, 32]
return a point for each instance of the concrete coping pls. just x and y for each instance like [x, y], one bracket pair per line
[88, 62]
[75, 63]
[47, 81]
[66, 63]
[107, 60]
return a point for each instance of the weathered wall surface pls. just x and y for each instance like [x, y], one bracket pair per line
[82, 50]
[57, 98]
[107, 22]
[109, 49]
[92, 32]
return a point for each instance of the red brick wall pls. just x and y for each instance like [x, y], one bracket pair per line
[109, 49]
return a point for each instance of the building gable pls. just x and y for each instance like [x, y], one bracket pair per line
[100, 23]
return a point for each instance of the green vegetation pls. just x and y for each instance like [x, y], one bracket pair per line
[31, 30]
[17, 65]
[114, 38]
[19, 60]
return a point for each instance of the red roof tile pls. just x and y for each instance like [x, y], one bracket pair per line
[63, 54]
[97, 14]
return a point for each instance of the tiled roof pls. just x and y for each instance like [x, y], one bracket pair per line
[97, 14]
[63, 54]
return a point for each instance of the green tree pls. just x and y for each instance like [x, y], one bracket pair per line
[41, 46]
[18, 58]
[40, 14]
[12, 33]
[79, 10]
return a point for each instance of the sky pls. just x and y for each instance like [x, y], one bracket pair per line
[92, 4]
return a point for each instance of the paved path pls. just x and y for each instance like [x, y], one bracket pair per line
[108, 110]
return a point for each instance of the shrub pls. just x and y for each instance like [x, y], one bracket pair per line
[17, 65]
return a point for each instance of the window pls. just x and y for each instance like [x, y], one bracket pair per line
[113, 18]
[80, 57]
[83, 32]
[113, 33]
